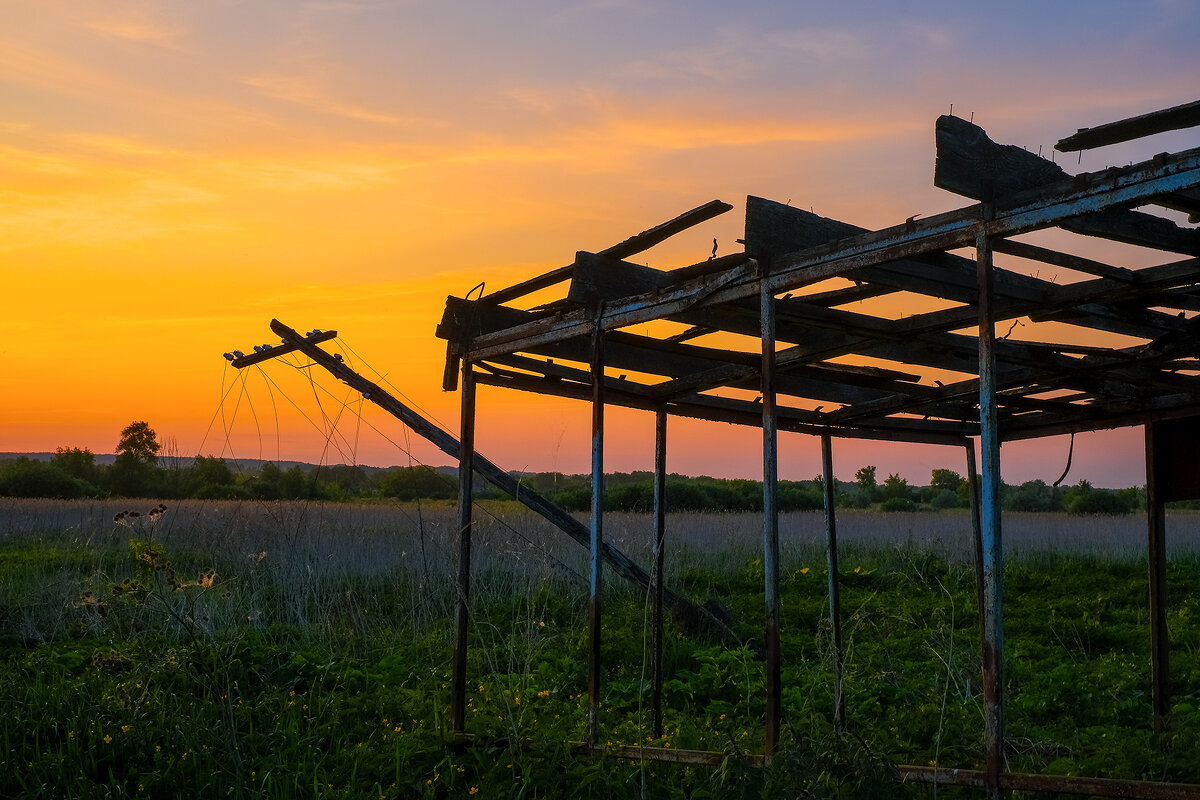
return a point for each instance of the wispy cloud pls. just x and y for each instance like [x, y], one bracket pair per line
[307, 93]
[134, 22]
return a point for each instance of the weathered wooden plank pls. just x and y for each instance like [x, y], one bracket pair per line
[1078, 263]
[1122, 130]
[635, 244]
[970, 164]
[1187, 201]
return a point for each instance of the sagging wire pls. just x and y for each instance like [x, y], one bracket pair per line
[220, 405]
[275, 410]
[407, 450]
[1070, 453]
[383, 380]
[329, 431]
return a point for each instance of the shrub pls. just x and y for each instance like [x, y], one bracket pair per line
[28, 478]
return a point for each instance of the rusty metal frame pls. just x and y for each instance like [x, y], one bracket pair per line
[1013, 389]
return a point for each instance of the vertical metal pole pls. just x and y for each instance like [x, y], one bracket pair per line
[593, 727]
[976, 527]
[993, 559]
[660, 533]
[466, 469]
[770, 516]
[1159, 644]
[835, 597]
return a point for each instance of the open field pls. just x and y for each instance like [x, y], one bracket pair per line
[303, 650]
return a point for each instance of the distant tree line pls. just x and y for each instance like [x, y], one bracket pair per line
[137, 472]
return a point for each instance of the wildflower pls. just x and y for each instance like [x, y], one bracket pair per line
[857, 570]
[474, 790]
[124, 729]
[804, 571]
[107, 738]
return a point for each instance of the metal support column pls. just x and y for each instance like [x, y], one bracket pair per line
[835, 598]
[660, 533]
[993, 559]
[593, 726]
[466, 470]
[770, 517]
[976, 524]
[1159, 644]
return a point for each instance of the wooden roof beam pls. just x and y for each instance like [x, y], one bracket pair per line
[643, 354]
[741, 412]
[1072, 262]
[635, 244]
[1168, 119]
[970, 164]
[948, 231]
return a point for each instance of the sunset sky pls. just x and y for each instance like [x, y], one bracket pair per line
[174, 175]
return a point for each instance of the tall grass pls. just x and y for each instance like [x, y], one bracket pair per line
[302, 649]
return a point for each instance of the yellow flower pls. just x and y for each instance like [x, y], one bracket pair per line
[474, 790]
[107, 738]
[804, 571]
[124, 729]
[857, 570]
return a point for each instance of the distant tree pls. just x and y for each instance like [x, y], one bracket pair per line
[1083, 498]
[896, 487]
[1033, 495]
[77, 461]
[266, 485]
[134, 472]
[865, 478]
[348, 478]
[946, 479]
[416, 483]
[139, 441]
[210, 478]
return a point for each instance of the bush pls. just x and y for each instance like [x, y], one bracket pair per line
[1083, 498]
[28, 478]
[897, 504]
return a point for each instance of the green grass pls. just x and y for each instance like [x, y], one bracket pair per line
[317, 661]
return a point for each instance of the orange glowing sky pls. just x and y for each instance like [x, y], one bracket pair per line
[172, 176]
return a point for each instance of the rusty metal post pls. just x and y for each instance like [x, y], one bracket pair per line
[660, 534]
[835, 596]
[466, 469]
[1156, 516]
[770, 517]
[976, 525]
[990, 532]
[597, 538]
